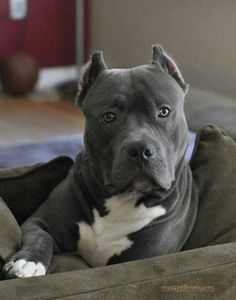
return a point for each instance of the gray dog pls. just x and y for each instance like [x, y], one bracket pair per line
[130, 194]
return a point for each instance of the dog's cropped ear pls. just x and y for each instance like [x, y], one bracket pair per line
[89, 73]
[167, 63]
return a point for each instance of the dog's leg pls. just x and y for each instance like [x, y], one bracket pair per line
[35, 254]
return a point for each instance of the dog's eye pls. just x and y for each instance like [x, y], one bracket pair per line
[164, 112]
[109, 117]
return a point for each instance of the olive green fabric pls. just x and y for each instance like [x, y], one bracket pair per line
[10, 233]
[214, 168]
[25, 188]
[67, 262]
[206, 273]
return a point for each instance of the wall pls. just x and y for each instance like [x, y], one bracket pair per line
[199, 34]
[47, 33]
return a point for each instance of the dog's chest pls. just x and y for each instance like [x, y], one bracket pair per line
[108, 235]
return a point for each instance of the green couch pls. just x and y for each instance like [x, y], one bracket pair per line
[205, 269]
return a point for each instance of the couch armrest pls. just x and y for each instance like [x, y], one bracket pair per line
[207, 272]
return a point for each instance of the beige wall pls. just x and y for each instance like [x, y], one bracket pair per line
[200, 34]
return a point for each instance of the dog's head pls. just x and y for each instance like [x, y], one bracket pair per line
[136, 132]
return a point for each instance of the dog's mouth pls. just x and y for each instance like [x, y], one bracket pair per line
[140, 183]
[139, 179]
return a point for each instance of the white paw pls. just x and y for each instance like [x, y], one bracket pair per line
[23, 268]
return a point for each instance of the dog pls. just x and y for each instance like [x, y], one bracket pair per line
[130, 194]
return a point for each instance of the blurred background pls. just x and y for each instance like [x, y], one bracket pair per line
[199, 34]
[43, 45]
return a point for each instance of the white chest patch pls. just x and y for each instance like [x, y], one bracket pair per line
[107, 236]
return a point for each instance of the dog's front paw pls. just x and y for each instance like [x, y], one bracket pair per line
[23, 268]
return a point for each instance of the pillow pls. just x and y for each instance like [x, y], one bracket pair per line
[25, 188]
[10, 233]
[214, 168]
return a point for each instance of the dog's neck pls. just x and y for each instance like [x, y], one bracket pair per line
[86, 176]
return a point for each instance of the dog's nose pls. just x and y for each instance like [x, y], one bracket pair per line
[140, 151]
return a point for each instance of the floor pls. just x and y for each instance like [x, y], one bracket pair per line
[23, 120]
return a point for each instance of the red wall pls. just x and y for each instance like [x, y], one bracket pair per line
[47, 33]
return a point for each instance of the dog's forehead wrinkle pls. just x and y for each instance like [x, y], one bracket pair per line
[142, 88]
[157, 82]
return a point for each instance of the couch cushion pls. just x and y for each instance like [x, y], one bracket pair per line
[10, 234]
[205, 107]
[214, 169]
[66, 262]
[25, 188]
[206, 273]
